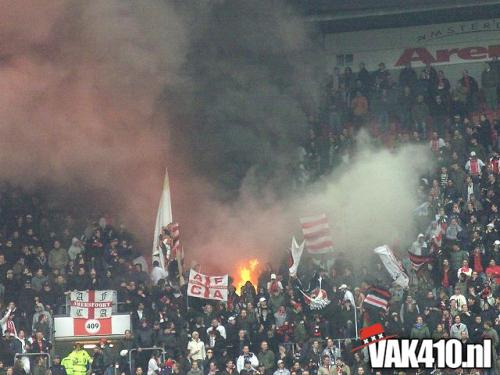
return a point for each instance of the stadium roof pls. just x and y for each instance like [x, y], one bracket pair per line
[348, 15]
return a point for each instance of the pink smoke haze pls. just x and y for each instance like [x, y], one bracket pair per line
[78, 88]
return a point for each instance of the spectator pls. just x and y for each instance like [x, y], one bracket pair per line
[420, 115]
[157, 273]
[420, 330]
[326, 368]
[489, 83]
[419, 247]
[75, 249]
[266, 357]
[195, 369]
[58, 257]
[196, 348]
[246, 358]
[97, 367]
[471, 89]
[281, 370]
[359, 107]
[407, 76]
[458, 328]
[57, 368]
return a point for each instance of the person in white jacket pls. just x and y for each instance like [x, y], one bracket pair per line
[157, 273]
[196, 348]
[75, 249]
[246, 355]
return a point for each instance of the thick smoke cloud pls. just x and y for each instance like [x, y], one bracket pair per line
[96, 98]
[369, 202]
[79, 84]
[243, 106]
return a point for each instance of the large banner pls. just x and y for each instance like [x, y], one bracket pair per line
[207, 287]
[90, 312]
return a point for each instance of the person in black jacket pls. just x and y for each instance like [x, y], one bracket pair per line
[57, 368]
[98, 366]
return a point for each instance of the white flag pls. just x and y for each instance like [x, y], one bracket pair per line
[392, 265]
[163, 218]
[296, 253]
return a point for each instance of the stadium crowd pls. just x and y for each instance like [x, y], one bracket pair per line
[269, 328]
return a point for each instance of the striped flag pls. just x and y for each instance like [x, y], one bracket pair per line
[316, 233]
[417, 261]
[174, 231]
[377, 297]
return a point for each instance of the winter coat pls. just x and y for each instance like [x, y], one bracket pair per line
[420, 332]
[58, 370]
[457, 257]
[58, 258]
[489, 79]
[266, 359]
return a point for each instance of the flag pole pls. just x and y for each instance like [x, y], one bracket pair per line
[356, 320]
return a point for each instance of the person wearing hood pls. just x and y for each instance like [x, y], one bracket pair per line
[75, 249]
[420, 330]
[419, 247]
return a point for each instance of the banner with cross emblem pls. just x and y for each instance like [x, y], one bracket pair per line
[91, 304]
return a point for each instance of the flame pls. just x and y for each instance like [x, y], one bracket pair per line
[247, 271]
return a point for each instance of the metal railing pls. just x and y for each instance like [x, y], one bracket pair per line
[154, 348]
[47, 360]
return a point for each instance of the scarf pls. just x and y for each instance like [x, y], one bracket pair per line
[477, 265]
[435, 145]
[445, 281]
[494, 165]
[11, 327]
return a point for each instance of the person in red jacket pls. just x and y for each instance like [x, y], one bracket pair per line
[493, 271]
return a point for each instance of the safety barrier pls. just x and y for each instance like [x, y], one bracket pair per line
[154, 348]
[29, 356]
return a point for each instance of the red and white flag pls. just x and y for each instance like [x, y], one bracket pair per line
[316, 231]
[417, 261]
[377, 297]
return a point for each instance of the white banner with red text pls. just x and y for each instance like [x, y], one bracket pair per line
[207, 287]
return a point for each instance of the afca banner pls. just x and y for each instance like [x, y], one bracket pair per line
[91, 304]
[207, 287]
